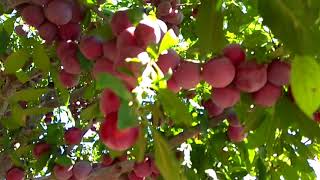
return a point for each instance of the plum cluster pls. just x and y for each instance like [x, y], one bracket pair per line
[54, 19]
[79, 171]
[110, 57]
[229, 74]
[57, 20]
[144, 169]
[168, 11]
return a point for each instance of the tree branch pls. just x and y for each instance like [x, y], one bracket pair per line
[113, 172]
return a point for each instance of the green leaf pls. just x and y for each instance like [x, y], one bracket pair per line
[23, 150]
[10, 123]
[165, 160]
[209, 26]
[299, 19]
[16, 61]
[169, 40]
[4, 39]
[89, 91]
[30, 94]
[102, 32]
[261, 169]
[90, 112]
[22, 76]
[135, 15]
[174, 107]
[105, 80]
[15, 159]
[55, 134]
[140, 147]
[305, 83]
[126, 116]
[18, 118]
[8, 25]
[287, 111]
[37, 111]
[40, 58]
[42, 162]
[85, 63]
[64, 160]
[265, 133]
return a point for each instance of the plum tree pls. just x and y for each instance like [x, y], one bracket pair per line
[120, 21]
[143, 169]
[109, 102]
[110, 50]
[212, 109]
[91, 48]
[68, 80]
[236, 133]
[147, 32]
[115, 138]
[225, 97]
[33, 15]
[267, 96]
[168, 60]
[58, 12]
[81, 170]
[250, 76]
[234, 53]
[62, 172]
[73, 136]
[218, 72]
[41, 149]
[15, 174]
[48, 31]
[187, 74]
[70, 31]
[71, 64]
[279, 73]
[63, 108]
